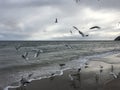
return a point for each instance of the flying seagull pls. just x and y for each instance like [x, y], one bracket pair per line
[38, 53]
[83, 35]
[68, 46]
[75, 28]
[77, 1]
[25, 56]
[70, 31]
[114, 75]
[18, 47]
[95, 27]
[56, 20]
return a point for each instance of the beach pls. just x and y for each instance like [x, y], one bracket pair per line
[95, 76]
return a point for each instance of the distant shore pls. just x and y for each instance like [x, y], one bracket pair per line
[96, 76]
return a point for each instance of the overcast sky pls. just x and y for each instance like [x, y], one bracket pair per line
[35, 19]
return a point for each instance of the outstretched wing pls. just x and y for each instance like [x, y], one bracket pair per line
[75, 28]
[95, 27]
[81, 33]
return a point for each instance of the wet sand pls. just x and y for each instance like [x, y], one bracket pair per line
[90, 78]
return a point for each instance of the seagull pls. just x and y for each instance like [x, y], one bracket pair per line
[18, 47]
[79, 70]
[71, 78]
[24, 81]
[86, 65]
[68, 46]
[70, 31]
[25, 56]
[83, 35]
[52, 76]
[95, 27]
[77, 1]
[96, 78]
[112, 68]
[114, 75]
[31, 74]
[86, 35]
[75, 28]
[101, 66]
[38, 52]
[56, 20]
[62, 64]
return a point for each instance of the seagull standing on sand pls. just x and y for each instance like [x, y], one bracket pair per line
[79, 70]
[86, 65]
[24, 81]
[112, 68]
[97, 78]
[101, 69]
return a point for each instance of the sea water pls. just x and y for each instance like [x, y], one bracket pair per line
[71, 53]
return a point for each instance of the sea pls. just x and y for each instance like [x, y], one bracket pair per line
[39, 59]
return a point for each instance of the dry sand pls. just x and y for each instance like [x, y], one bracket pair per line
[88, 79]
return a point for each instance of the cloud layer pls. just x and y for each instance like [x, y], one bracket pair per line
[34, 19]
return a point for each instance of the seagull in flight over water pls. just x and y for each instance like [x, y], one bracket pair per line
[25, 56]
[38, 53]
[83, 35]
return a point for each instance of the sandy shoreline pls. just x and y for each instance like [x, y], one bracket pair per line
[90, 78]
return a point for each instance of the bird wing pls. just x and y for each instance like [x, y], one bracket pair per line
[70, 31]
[26, 54]
[56, 21]
[81, 33]
[75, 28]
[95, 27]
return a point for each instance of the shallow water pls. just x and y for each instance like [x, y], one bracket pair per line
[75, 54]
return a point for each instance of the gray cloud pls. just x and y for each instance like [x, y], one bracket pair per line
[34, 19]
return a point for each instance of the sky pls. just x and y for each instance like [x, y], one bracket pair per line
[35, 19]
